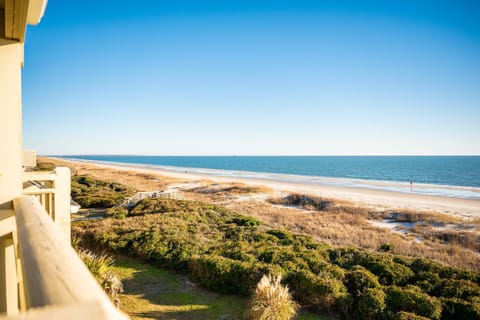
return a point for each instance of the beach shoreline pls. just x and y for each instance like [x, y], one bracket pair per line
[371, 196]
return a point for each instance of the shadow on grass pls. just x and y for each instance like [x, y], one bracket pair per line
[152, 293]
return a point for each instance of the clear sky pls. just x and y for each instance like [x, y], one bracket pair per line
[253, 77]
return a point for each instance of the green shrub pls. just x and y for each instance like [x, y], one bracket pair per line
[412, 299]
[359, 279]
[117, 212]
[388, 271]
[224, 275]
[302, 242]
[268, 255]
[382, 265]
[316, 262]
[451, 288]
[371, 303]
[444, 272]
[90, 192]
[322, 292]
[386, 247]
[428, 281]
[282, 256]
[402, 315]
[271, 301]
[237, 251]
[367, 298]
[457, 309]
[246, 221]
[285, 237]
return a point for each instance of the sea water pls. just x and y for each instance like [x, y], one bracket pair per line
[436, 171]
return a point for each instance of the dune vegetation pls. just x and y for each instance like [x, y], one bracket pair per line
[444, 238]
[227, 252]
[90, 192]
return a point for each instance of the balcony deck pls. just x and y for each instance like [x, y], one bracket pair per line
[41, 275]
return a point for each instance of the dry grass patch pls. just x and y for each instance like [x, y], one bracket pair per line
[218, 192]
[434, 218]
[351, 228]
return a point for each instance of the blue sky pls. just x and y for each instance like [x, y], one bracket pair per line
[254, 78]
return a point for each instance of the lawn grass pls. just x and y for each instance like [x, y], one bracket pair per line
[153, 293]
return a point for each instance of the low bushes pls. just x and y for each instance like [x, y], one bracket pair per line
[323, 292]
[359, 279]
[454, 308]
[224, 275]
[90, 192]
[383, 266]
[412, 299]
[402, 315]
[370, 304]
[229, 253]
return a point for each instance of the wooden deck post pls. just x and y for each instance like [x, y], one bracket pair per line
[62, 200]
[10, 122]
[8, 279]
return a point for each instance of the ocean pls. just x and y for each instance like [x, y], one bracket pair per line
[460, 171]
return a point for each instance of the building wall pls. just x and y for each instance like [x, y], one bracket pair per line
[10, 121]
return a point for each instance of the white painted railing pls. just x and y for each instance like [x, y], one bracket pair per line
[42, 277]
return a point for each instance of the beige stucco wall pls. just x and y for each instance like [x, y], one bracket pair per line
[10, 122]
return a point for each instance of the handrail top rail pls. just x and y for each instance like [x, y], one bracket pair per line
[48, 175]
[39, 175]
[53, 273]
[38, 191]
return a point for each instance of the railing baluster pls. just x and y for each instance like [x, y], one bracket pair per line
[8, 284]
[52, 189]
[50, 205]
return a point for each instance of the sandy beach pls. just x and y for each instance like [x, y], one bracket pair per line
[370, 195]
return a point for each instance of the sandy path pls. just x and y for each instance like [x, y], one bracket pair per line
[468, 208]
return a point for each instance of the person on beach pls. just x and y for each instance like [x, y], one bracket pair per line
[411, 185]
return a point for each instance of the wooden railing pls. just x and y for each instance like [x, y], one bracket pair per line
[42, 277]
[52, 189]
[42, 186]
